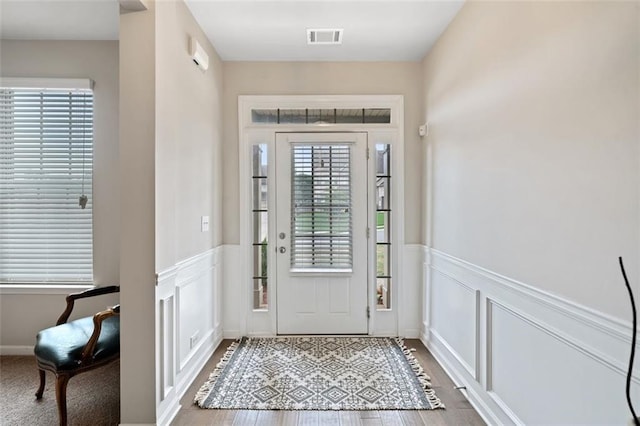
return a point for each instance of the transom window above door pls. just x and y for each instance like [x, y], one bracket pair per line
[321, 116]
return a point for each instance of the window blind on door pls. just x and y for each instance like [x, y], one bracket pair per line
[321, 228]
[46, 164]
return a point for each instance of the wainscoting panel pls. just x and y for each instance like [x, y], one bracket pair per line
[528, 355]
[167, 346]
[455, 318]
[188, 326]
[540, 359]
[195, 323]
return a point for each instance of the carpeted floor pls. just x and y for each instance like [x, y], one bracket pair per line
[93, 398]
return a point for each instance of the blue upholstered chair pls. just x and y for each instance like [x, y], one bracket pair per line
[74, 347]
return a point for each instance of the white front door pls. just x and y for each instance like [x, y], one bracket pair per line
[321, 229]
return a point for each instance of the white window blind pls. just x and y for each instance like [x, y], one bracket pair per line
[46, 164]
[321, 236]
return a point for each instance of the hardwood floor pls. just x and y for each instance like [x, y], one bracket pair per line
[458, 411]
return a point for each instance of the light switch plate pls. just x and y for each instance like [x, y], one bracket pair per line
[204, 224]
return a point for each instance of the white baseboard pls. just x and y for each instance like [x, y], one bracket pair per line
[170, 412]
[16, 350]
[186, 378]
[410, 333]
[231, 334]
[470, 394]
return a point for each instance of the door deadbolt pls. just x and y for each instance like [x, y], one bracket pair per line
[282, 235]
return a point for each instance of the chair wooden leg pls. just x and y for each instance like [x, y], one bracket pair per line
[61, 397]
[40, 390]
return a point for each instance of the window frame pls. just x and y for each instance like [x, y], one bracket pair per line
[61, 285]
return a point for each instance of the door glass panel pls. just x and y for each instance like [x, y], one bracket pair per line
[383, 285]
[260, 225]
[382, 266]
[321, 236]
[293, 116]
[349, 116]
[383, 226]
[260, 293]
[321, 116]
[264, 116]
[383, 234]
[259, 191]
[382, 193]
[377, 115]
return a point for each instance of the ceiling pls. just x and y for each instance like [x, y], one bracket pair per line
[257, 30]
[59, 19]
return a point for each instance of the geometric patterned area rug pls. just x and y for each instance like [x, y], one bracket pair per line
[318, 373]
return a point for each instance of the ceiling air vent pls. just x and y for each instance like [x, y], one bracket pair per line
[326, 36]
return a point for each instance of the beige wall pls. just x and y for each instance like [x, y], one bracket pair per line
[323, 78]
[22, 316]
[137, 230]
[188, 139]
[534, 112]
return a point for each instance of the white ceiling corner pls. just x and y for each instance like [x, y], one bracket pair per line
[257, 30]
[59, 19]
[374, 30]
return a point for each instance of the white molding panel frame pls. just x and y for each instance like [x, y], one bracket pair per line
[188, 326]
[532, 349]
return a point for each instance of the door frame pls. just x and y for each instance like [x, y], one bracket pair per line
[263, 322]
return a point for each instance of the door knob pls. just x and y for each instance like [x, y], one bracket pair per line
[283, 249]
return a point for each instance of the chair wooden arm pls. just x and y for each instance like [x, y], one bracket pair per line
[96, 291]
[87, 352]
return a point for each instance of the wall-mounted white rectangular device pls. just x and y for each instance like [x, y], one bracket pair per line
[198, 54]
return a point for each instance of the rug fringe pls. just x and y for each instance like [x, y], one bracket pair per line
[205, 390]
[423, 378]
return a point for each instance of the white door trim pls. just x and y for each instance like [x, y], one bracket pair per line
[263, 322]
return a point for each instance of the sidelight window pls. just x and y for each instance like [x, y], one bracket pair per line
[260, 216]
[383, 225]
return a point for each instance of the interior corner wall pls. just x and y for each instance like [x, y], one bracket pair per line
[171, 132]
[97, 60]
[138, 385]
[188, 177]
[324, 78]
[189, 139]
[533, 190]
